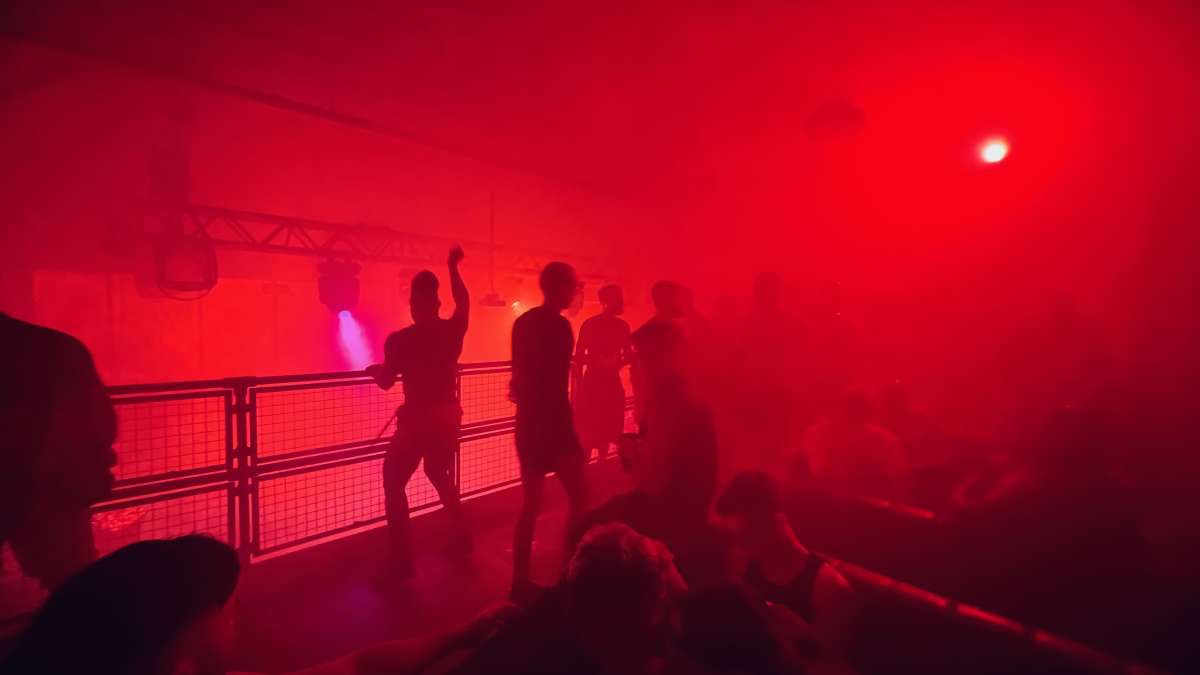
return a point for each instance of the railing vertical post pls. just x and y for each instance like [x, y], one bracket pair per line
[244, 467]
[458, 446]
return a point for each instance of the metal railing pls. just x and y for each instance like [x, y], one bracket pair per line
[271, 463]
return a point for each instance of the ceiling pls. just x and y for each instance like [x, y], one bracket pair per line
[622, 97]
[658, 100]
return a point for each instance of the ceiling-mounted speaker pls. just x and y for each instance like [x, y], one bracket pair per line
[337, 285]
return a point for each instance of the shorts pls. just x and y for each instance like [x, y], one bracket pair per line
[546, 438]
[600, 410]
[426, 432]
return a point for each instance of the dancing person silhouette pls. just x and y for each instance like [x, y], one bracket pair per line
[603, 350]
[425, 357]
[542, 342]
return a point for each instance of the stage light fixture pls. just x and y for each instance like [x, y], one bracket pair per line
[994, 150]
[185, 266]
[338, 285]
[493, 299]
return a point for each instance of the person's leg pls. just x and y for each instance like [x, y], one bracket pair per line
[439, 468]
[532, 485]
[398, 467]
[571, 473]
[54, 547]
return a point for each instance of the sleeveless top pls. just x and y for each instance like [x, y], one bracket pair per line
[796, 595]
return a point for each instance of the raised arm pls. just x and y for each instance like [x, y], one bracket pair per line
[458, 289]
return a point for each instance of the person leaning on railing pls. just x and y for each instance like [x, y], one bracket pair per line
[425, 357]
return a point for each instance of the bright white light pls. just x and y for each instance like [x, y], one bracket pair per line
[994, 151]
[517, 306]
[352, 341]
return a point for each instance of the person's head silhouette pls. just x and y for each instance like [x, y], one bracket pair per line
[621, 587]
[612, 300]
[667, 297]
[423, 299]
[560, 284]
[659, 346]
[156, 607]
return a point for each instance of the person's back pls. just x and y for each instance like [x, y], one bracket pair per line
[602, 351]
[680, 450]
[546, 440]
[541, 349]
[607, 339]
[426, 357]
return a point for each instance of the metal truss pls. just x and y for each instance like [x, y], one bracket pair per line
[269, 233]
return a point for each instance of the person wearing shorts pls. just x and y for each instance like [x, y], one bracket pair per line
[542, 343]
[425, 357]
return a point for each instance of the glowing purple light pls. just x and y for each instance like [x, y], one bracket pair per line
[352, 341]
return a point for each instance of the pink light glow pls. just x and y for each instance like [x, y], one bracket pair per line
[352, 341]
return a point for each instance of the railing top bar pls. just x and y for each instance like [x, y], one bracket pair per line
[253, 380]
[155, 387]
[483, 364]
[306, 377]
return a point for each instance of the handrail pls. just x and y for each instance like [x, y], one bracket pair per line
[259, 380]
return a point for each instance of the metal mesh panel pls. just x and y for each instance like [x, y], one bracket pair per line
[305, 419]
[307, 504]
[485, 396]
[488, 462]
[204, 513]
[158, 437]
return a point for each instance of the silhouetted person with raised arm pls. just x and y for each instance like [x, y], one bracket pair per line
[56, 453]
[425, 357]
[603, 350]
[542, 343]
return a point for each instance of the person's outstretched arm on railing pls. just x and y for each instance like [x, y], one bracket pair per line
[385, 373]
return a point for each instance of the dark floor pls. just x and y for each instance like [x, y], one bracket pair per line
[321, 602]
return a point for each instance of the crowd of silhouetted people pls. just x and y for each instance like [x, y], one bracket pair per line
[696, 568]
